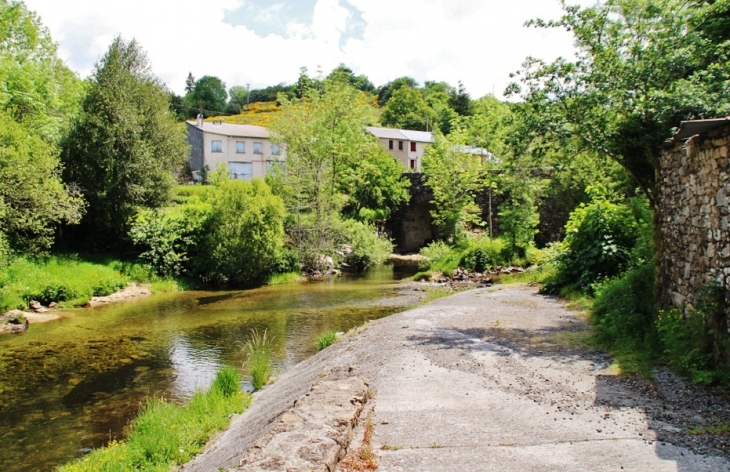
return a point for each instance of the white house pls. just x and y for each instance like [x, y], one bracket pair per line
[405, 145]
[246, 150]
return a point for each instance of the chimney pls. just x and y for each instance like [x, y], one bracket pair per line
[200, 120]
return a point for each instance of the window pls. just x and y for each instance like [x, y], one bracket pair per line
[216, 146]
[413, 147]
[257, 148]
[240, 147]
[240, 170]
[413, 164]
[275, 149]
[390, 144]
[400, 145]
[271, 165]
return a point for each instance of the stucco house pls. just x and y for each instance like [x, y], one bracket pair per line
[405, 145]
[246, 150]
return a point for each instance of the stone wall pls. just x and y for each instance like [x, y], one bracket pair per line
[694, 218]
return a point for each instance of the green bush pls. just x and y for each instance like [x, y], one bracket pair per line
[244, 235]
[439, 256]
[624, 307]
[258, 357]
[483, 253]
[603, 239]
[367, 247]
[169, 236]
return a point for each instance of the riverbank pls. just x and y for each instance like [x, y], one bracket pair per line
[496, 378]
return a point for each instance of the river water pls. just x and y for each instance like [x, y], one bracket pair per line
[74, 384]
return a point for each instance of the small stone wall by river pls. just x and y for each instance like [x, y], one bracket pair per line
[694, 187]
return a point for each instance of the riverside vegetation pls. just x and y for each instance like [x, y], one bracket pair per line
[90, 167]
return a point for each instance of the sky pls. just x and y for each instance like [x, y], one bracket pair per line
[266, 42]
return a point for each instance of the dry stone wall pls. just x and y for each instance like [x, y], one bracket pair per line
[694, 215]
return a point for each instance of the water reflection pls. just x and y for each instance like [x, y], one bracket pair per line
[76, 383]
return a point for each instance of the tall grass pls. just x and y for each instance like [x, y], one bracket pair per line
[165, 435]
[70, 280]
[258, 357]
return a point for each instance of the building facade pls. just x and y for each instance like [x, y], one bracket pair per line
[406, 146]
[246, 151]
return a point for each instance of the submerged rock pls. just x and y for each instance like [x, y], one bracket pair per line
[13, 321]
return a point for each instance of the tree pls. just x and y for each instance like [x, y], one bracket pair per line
[407, 109]
[387, 90]
[36, 88]
[209, 95]
[326, 143]
[33, 200]
[190, 83]
[125, 146]
[460, 100]
[641, 68]
[454, 177]
[238, 98]
[360, 82]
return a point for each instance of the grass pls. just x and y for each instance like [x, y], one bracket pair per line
[71, 280]
[326, 339]
[720, 430]
[258, 358]
[166, 435]
[287, 278]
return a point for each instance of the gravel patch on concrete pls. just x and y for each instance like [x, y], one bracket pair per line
[489, 379]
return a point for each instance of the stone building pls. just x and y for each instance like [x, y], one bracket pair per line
[693, 212]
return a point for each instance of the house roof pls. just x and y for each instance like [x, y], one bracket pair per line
[401, 134]
[687, 129]
[228, 129]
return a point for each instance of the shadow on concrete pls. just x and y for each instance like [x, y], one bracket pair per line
[672, 406]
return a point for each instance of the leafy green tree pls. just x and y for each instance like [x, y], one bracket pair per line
[33, 200]
[209, 95]
[641, 68]
[407, 109]
[36, 88]
[238, 98]
[190, 83]
[125, 146]
[454, 177]
[387, 90]
[327, 151]
[360, 82]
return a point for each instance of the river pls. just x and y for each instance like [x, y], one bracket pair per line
[74, 384]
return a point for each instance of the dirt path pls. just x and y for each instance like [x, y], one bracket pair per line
[483, 380]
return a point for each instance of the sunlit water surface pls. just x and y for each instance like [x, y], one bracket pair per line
[74, 384]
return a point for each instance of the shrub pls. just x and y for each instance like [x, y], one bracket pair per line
[483, 253]
[602, 240]
[624, 307]
[367, 247]
[326, 340]
[439, 256]
[227, 381]
[244, 235]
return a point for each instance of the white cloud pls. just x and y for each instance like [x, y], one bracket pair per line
[477, 42]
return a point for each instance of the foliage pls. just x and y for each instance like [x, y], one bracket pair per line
[454, 177]
[600, 239]
[326, 339]
[437, 254]
[258, 357]
[208, 96]
[483, 253]
[518, 214]
[36, 88]
[327, 155]
[366, 246]
[33, 200]
[125, 146]
[170, 236]
[460, 100]
[243, 235]
[407, 109]
[695, 343]
[641, 67]
[386, 91]
[165, 435]
[67, 280]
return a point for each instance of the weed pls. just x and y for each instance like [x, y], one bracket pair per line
[423, 276]
[391, 447]
[326, 340]
[258, 351]
[286, 278]
[227, 381]
[720, 430]
[363, 458]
